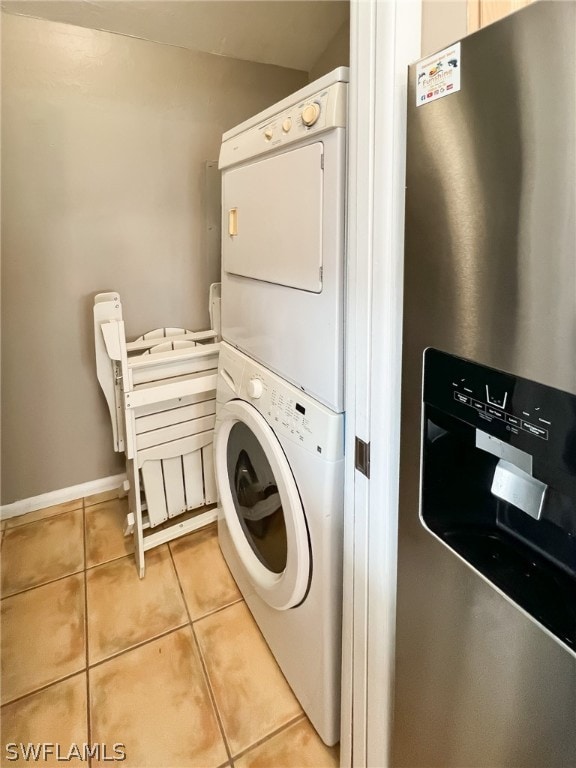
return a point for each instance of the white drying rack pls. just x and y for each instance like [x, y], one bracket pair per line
[160, 391]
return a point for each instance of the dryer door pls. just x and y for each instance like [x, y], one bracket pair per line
[273, 219]
[262, 506]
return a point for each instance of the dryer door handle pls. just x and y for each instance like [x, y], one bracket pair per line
[233, 222]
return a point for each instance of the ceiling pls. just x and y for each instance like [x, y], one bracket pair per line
[288, 33]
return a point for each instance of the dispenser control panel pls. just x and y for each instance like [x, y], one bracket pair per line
[494, 407]
[518, 405]
[528, 415]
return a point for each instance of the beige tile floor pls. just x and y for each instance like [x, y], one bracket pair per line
[172, 667]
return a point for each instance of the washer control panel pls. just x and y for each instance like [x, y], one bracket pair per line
[290, 412]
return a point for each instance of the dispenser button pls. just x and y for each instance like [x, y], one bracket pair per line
[519, 488]
[460, 398]
[514, 420]
[495, 412]
[534, 430]
[477, 404]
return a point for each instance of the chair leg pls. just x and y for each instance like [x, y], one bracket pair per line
[140, 565]
[129, 525]
[136, 512]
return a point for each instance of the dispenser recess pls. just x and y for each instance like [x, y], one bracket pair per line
[499, 483]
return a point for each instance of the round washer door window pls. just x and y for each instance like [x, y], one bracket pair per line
[262, 505]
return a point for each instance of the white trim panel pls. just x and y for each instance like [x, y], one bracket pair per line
[385, 36]
[398, 34]
[357, 405]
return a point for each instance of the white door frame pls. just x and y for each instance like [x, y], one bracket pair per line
[385, 38]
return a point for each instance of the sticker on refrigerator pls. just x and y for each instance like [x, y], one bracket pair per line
[438, 75]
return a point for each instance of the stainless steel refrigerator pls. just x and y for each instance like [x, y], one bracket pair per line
[485, 671]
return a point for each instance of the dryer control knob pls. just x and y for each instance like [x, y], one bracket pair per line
[268, 134]
[255, 388]
[310, 114]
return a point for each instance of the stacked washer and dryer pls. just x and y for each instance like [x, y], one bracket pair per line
[279, 442]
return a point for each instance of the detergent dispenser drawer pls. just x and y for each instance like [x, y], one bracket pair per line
[499, 483]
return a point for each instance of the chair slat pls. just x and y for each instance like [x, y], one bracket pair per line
[174, 432]
[173, 416]
[174, 486]
[192, 465]
[153, 479]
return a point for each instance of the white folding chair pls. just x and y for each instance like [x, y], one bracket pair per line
[160, 391]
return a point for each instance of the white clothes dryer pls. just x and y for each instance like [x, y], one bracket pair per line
[279, 466]
[283, 237]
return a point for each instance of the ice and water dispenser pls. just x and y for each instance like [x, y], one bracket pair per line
[499, 483]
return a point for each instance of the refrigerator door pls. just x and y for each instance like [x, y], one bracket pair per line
[490, 276]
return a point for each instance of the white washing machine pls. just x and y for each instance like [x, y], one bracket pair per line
[279, 461]
[283, 237]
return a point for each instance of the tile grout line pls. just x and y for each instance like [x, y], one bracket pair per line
[217, 610]
[88, 704]
[58, 680]
[202, 663]
[107, 562]
[268, 736]
[137, 645]
[193, 622]
[82, 505]
[211, 694]
[103, 501]
[81, 501]
[229, 763]
[42, 688]
[43, 584]
[40, 519]
[271, 735]
[129, 555]
[88, 510]
[57, 578]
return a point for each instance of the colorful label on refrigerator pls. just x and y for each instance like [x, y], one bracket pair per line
[438, 75]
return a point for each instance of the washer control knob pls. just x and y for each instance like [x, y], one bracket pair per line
[255, 388]
[310, 114]
[268, 133]
[287, 125]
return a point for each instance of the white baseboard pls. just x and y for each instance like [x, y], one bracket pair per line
[61, 496]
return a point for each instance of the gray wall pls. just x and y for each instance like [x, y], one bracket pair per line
[336, 54]
[104, 144]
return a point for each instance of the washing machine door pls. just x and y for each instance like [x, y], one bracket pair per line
[261, 505]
